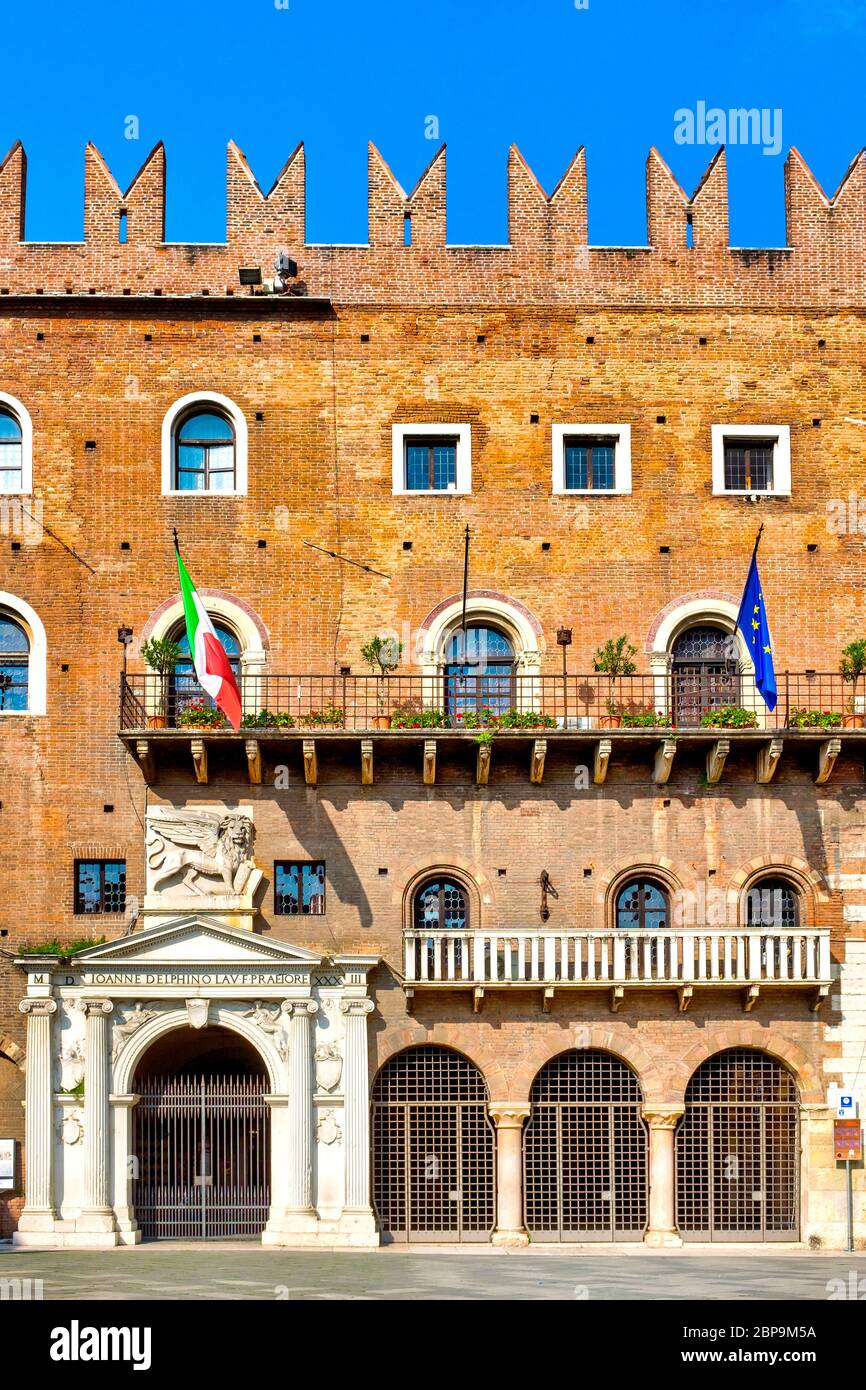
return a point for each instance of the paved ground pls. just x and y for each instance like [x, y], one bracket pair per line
[245, 1271]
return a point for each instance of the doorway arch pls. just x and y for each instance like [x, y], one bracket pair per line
[201, 1136]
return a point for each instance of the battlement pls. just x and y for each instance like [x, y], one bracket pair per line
[547, 260]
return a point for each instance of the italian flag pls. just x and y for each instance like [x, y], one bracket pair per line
[212, 669]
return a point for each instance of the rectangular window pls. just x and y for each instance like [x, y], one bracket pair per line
[589, 464]
[431, 464]
[100, 885]
[299, 889]
[749, 465]
[11, 467]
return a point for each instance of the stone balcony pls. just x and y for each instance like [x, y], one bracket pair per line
[290, 719]
[679, 960]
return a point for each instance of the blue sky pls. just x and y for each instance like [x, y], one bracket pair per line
[335, 73]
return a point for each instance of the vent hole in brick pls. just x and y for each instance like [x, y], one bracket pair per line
[482, 338]
[260, 415]
[148, 337]
[822, 342]
[157, 293]
[124, 545]
[811, 547]
[108, 808]
[64, 665]
[816, 424]
[661, 419]
[383, 873]
[664, 550]
[590, 340]
[16, 545]
[407, 545]
[127, 291]
[262, 545]
[365, 337]
[90, 444]
[533, 419]
[545, 545]
[40, 337]
[345, 670]
[502, 872]
[205, 293]
[257, 337]
[702, 342]
[587, 873]
[666, 801]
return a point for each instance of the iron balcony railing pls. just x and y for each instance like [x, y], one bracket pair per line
[684, 700]
[667, 956]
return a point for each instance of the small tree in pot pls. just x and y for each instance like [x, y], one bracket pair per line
[614, 659]
[852, 667]
[161, 654]
[382, 655]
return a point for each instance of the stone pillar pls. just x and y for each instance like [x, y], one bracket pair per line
[97, 1215]
[299, 1173]
[509, 1118]
[357, 1211]
[662, 1121]
[122, 1108]
[39, 1212]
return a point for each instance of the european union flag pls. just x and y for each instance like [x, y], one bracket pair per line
[752, 622]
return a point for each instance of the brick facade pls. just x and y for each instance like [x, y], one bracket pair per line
[99, 339]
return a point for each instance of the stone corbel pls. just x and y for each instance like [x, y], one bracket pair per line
[429, 762]
[311, 766]
[827, 755]
[768, 760]
[254, 761]
[198, 749]
[716, 759]
[144, 753]
[366, 762]
[536, 767]
[664, 760]
[602, 758]
[482, 765]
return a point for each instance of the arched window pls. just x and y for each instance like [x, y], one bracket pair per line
[14, 664]
[204, 452]
[773, 903]
[704, 672]
[642, 905]
[186, 687]
[479, 671]
[442, 905]
[11, 452]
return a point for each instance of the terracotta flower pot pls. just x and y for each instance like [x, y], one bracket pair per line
[610, 721]
[853, 721]
[382, 721]
[157, 721]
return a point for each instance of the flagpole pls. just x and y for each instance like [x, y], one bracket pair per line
[757, 539]
[176, 542]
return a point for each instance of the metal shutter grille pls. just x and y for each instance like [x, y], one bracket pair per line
[738, 1151]
[433, 1148]
[585, 1151]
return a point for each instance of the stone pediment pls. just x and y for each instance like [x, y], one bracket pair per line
[194, 940]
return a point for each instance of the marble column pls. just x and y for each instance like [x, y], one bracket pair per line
[509, 1118]
[39, 1211]
[662, 1121]
[97, 1215]
[299, 1175]
[357, 1218]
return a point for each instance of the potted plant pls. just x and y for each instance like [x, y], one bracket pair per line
[198, 715]
[814, 719]
[852, 667]
[614, 659]
[268, 719]
[404, 717]
[161, 654]
[729, 717]
[382, 655]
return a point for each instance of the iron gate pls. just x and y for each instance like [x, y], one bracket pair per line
[433, 1148]
[738, 1151]
[585, 1151]
[202, 1145]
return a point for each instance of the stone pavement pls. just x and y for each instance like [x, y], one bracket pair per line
[246, 1271]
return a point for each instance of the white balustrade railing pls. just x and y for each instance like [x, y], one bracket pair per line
[676, 956]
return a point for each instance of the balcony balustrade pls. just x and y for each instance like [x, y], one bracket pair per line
[681, 959]
[807, 700]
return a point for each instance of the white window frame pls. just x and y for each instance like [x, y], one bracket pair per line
[463, 465]
[621, 459]
[25, 424]
[238, 419]
[37, 665]
[781, 437]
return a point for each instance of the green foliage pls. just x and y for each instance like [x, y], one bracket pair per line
[268, 719]
[853, 664]
[54, 947]
[813, 719]
[405, 718]
[76, 1090]
[161, 654]
[647, 719]
[198, 715]
[382, 654]
[329, 718]
[614, 658]
[729, 717]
